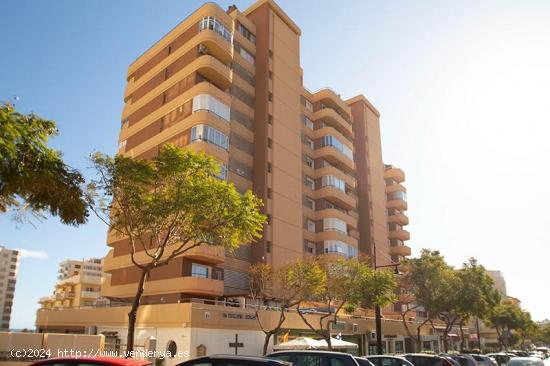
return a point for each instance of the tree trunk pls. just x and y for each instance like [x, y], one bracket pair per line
[461, 336]
[266, 341]
[328, 338]
[446, 341]
[133, 314]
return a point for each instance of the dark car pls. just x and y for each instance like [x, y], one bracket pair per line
[421, 359]
[315, 358]
[226, 360]
[380, 360]
[91, 361]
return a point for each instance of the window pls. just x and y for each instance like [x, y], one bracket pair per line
[309, 203]
[339, 247]
[246, 55]
[269, 143]
[270, 119]
[205, 102]
[199, 270]
[209, 134]
[332, 141]
[269, 167]
[268, 246]
[171, 349]
[246, 33]
[270, 75]
[309, 247]
[334, 224]
[309, 161]
[310, 182]
[310, 225]
[309, 142]
[122, 144]
[269, 193]
[399, 195]
[309, 105]
[270, 97]
[307, 122]
[223, 172]
[332, 181]
[215, 25]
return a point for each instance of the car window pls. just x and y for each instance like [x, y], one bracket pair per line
[301, 360]
[363, 362]
[197, 363]
[333, 361]
[426, 361]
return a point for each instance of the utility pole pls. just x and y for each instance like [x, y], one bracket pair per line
[377, 310]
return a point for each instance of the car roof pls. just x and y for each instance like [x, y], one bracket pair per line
[101, 360]
[385, 356]
[309, 351]
[238, 357]
[420, 355]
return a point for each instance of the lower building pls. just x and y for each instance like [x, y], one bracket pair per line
[9, 264]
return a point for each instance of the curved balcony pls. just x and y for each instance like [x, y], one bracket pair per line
[394, 173]
[337, 196]
[334, 156]
[399, 234]
[329, 130]
[332, 212]
[331, 117]
[395, 188]
[399, 218]
[215, 71]
[330, 170]
[336, 235]
[330, 98]
[400, 205]
[215, 45]
[206, 253]
[401, 250]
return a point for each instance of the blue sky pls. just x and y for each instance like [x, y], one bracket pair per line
[463, 88]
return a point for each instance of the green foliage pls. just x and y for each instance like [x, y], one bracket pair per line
[167, 205]
[34, 177]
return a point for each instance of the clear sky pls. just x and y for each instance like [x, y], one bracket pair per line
[463, 89]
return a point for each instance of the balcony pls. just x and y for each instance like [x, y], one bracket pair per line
[336, 235]
[215, 71]
[334, 156]
[336, 196]
[399, 218]
[188, 284]
[207, 253]
[398, 204]
[400, 250]
[215, 45]
[399, 234]
[89, 294]
[392, 188]
[332, 118]
[332, 170]
[332, 212]
[395, 174]
[329, 97]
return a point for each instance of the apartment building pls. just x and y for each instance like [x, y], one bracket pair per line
[229, 83]
[9, 263]
[78, 284]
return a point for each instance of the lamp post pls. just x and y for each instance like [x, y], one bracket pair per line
[377, 310]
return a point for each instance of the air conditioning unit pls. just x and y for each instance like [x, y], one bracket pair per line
[372, 336]
[92, 330]
[354, 328]
[203, 50]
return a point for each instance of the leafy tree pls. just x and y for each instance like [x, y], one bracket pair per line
[346, 282]
[428, 282]
[33, 177]
[475, 296]
[283, 286]
[167, 206]
[505, 317]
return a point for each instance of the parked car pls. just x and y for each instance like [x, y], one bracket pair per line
[382, 360]
[223, 360]
[363, 361]
[315, 358]
[483, 360]
[451, 360]
[500, 358]
[91, 361]
[525, 361]
[421, 359]
[464, 359]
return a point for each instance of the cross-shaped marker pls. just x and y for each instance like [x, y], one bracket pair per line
[236, 344]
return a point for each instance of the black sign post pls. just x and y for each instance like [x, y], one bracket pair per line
[236, 344]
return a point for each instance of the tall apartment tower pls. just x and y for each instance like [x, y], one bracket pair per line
[9, 263]
[71, 267]
[229, 83]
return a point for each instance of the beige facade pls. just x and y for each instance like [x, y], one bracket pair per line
[229, 83]
[9, 265]
[78, 285]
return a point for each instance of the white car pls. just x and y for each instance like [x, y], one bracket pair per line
[525, 361]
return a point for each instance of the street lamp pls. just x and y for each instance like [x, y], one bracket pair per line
[377, 310]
